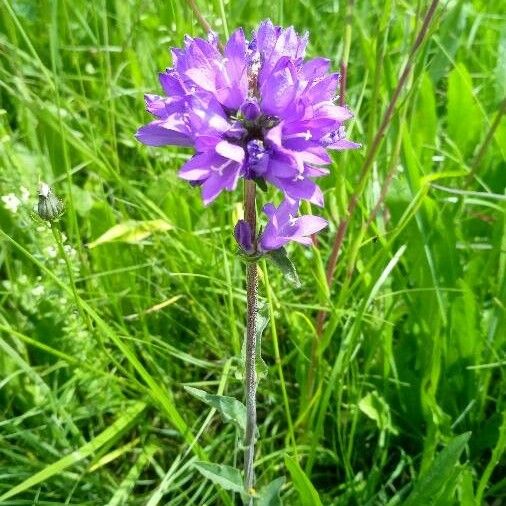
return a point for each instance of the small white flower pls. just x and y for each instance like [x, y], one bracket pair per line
[11, 202]
[38, 290]
[51, 252]
[69, 250]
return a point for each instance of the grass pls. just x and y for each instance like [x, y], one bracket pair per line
[96, 347]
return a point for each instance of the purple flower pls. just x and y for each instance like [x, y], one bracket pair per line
[257, 110]
[284, 226]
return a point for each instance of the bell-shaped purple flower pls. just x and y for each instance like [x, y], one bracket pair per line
[284, 226]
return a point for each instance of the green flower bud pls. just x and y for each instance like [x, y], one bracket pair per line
[50, 207]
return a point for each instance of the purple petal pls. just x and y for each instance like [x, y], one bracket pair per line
[327, 110]
[278, 91]
[171, 83]
[230, 151]
[301, 189]
[343, 144]
[198, 167]
[309, 225]
[323, 89]
[270, 240]
[235, 69]
[315, 68]
[223, 179]
[156, 133]
[269, 209]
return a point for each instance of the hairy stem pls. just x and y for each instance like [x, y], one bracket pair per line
[250, 379]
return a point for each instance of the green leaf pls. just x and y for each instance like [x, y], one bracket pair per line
[262, 184]
[270, 495]
[226, 476]
[424, 123]
[280, 258]
[262, 319]
[131, 231]
[119, 426]
[230, 408]
[307, 493]
[464, 116]
[500, 69]
[376, 408]
[428, 488]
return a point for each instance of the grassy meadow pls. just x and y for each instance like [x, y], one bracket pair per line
[397, 399]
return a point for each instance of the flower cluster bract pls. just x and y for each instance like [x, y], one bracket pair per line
[255, 110]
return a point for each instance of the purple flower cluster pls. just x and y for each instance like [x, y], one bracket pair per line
[258, 111]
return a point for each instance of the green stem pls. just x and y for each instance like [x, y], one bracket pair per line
[61, 250]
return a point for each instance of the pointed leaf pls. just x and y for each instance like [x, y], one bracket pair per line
[464, 116]
[230, 408]
[131, 231]
[431, 484]
[226, 476]
[262, 319]
[376, 408]
[270, 495]
[307, 493]
[280, 258]
[261, 324]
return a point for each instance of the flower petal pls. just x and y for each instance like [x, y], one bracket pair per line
[230, 151]
[156, 133]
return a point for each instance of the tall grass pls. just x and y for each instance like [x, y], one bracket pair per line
[411, 355]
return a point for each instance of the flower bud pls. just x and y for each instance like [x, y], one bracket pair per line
[50, 207]
[250, 110]
[243, 236]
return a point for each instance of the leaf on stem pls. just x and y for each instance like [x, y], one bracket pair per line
[280, 259]
[230, 408]
[227, 477]
[262, 320]
[270, 495]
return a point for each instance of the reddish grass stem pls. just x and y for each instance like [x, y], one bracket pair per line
[201, 19]
[488, 139]
[371, 154]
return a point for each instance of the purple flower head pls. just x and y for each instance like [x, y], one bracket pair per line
[256, 110]
[284, 226]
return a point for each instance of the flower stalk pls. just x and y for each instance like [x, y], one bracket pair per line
[250, 377]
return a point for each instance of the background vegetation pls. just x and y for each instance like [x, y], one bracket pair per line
[97, 345]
